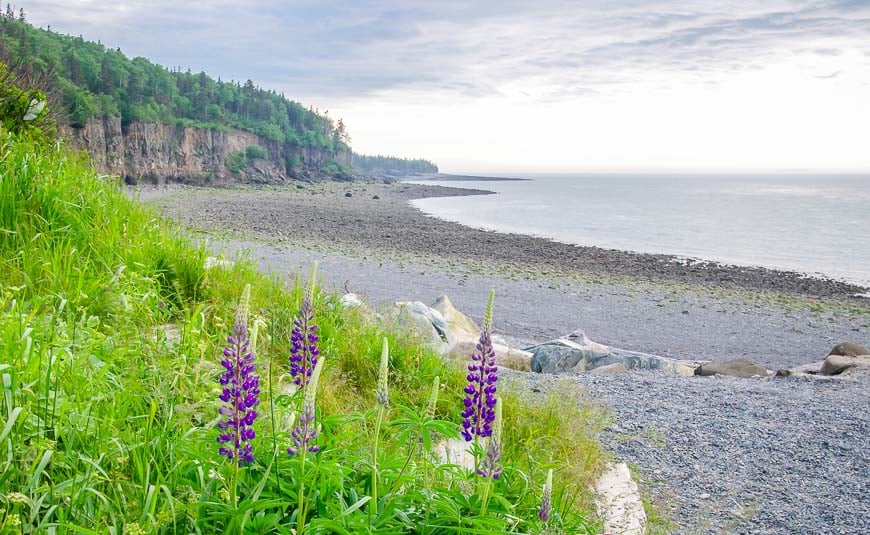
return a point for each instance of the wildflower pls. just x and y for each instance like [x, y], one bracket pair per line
[16, 498]
[482, 376]
[433, 398]
[491, 465]
[241, 390]
[383, 395]
[546, 498]
[304, 352]
[305, 431]
[134, 529]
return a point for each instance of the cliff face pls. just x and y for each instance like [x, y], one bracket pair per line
[160, 153]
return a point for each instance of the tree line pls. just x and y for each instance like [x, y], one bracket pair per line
[390, 164]
[94, 81]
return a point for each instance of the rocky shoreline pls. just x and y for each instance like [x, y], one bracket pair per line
[379, 217]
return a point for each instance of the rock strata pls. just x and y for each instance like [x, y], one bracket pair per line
[159, 153]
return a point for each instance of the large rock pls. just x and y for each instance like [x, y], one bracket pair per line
[576, 352]
[849, 349]
[734, 368]
[837, 364]
[460, 328]
[426, 322]
[611, 368]
[506, 356]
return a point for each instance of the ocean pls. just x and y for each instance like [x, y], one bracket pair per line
[813, 224]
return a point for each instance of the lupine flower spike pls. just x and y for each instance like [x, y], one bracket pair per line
[305, 431]
[241, 390]
[482, 376]
[433, 397]
[383, 394]
[546, 498]
[304, 352]
[491, 465]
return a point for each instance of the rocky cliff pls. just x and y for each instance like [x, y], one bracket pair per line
[160, 153]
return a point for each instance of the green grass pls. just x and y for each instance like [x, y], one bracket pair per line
[111, 334]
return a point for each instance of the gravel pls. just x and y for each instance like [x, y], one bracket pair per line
[730, 455]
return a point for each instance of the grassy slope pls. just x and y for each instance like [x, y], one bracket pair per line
[110, 338]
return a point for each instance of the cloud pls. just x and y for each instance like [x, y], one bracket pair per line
[349, 50]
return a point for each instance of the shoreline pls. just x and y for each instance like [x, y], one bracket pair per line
[389, 251]
[399, 227]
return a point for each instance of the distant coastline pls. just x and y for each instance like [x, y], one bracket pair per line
[441, 177]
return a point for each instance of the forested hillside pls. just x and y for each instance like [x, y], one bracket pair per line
[391, 165]
[95, 81]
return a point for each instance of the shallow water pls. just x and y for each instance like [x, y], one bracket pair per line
[815, 224]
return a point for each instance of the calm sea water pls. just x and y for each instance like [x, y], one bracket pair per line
[812, 224]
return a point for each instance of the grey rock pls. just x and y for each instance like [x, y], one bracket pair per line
[348, 194]
[350, 301]
[837, 364]
[576, 352]
[849, 349]
[734, 368]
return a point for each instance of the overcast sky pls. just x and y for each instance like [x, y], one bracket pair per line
[546, 85]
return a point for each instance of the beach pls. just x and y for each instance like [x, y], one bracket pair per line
[714, 454]
[387, 250]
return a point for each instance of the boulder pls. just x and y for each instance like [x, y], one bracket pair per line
[734, 368]
[837, 364]
[611, 368]
[576, 352]
[849, 349]
[506, 356]
[426, 322]
[460, 328]
[350, 301]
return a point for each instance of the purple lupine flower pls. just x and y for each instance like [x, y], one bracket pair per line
[305, 431]
[482, 377]
[490, 466]
[241, 390]
[546, 498]
[304, 352]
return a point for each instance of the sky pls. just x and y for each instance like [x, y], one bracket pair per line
[535, 86]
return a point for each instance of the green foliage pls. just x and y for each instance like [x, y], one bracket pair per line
[111, 331]
[236, 161]
[256, 152]
[94, 81]
[334, 168]
[23, 111]
[390, 165]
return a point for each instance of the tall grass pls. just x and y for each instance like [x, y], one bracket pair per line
[110, 338]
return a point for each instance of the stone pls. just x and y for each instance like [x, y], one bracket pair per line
[611, 368]
[734, 368]
[576, 352]
[426, 322]
[460, 328]
[376, 197]
[350, 301]
[618, 501]
[215, 262]
[837, 364]
[505, 356]
[348, 194]
[849, 349]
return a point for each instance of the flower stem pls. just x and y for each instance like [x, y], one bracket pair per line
[300, 520]
[373, 508]
[485, 501]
